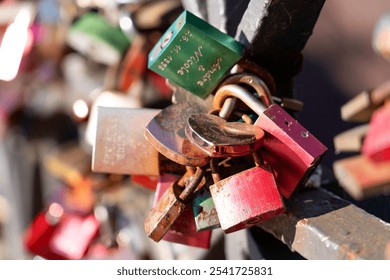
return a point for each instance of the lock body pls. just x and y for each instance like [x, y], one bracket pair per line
[376, 144]
[291, 150]
[362, 177]
[166, 132]
[246, 198]
[56, 235]
[164, 213]
[120, 146]
[74, 235]
[38, 236]
[194, 55]
[183, 230]
[172, 204]
[205, 213]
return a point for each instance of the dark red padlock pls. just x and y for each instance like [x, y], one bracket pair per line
[183, 231]
[40, 232]
[291, 150]
[376, 144]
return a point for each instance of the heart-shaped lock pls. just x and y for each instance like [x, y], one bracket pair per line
[219, 138]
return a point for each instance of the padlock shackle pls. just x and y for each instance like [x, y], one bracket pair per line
[215, 174]
[253, 81]
[245, 96]
[192, 184]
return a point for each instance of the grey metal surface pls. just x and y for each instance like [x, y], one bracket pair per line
[320, 225]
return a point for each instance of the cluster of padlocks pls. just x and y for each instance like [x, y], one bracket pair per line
[365, 173]
[182, 113]
[224, 139]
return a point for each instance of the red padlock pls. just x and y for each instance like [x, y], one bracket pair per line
[247, 198]
[183, 231]
[40, 232]
[376, 144]
[292, 152]
[149, 182]
[73, 236]
[56, 235]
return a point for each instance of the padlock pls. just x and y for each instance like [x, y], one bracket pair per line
[362, 177]
[111, 99]
[120, 146]
[134, 64]
[170, 206]
[361, 107]
[350, 140]
[183, 230]
[376, 144]
[219, 138]
[194, 55]
[291, 151]
[203, 207]
[40, 232]
[73, 235]
[93, 36]
[247, 198]
[166, 132]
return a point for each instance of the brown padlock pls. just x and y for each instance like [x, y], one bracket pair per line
[289, 148]
[171, 205]
[183, 230]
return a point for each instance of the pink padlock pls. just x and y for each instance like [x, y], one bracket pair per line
[376, 144]
[291, 150]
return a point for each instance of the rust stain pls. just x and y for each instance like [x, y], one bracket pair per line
[349, 251]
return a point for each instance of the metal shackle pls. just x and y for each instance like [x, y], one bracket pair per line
[241, 93]
[254, 82]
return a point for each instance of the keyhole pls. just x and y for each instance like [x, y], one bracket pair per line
[305, 134]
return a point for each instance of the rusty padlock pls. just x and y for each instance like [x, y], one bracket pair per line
[183, 230]
[247, 198]
[291, 151]
[171, 205]
[376, 144]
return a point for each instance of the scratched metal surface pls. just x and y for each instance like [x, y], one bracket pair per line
[320, 225]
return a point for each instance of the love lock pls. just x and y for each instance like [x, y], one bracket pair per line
[292, 152]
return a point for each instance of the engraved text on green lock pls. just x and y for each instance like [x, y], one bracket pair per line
[194, 55]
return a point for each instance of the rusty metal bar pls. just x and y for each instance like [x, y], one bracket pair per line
[320, 225]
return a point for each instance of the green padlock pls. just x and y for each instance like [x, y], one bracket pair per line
[194, 55]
